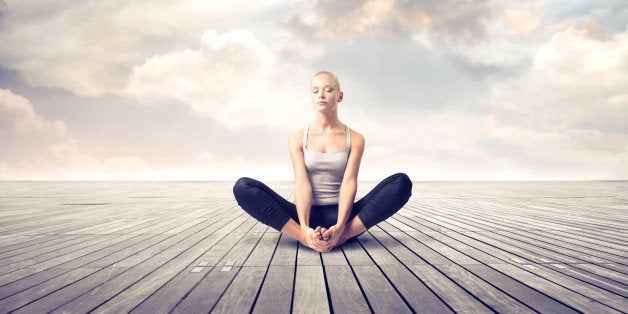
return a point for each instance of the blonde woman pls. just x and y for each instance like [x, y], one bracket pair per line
[326, 157]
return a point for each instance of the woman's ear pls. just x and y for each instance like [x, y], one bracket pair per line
[341, 96]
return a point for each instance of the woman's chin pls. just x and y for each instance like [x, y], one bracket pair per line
[323, 108]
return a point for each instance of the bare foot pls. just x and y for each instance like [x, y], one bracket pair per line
[342, 239]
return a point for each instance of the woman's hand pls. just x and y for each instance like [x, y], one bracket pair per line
[312, 238]
[321, 239]
[331, 237]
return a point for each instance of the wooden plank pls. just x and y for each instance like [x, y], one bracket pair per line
[482, 290]
[286, 252]
[603, 271]
[456, 246]
[55, 299]
[380, 293]
[579, 302]
[168, 249]
[276, 292]
[44, 251]
[198, 287]
[23, 242]
[398, 248]
[540, 243]
[560, 257]
[419, 249]
[572, 299]
[240, 295]
[564, 247]
[355, 254]
[592, 241]
[344, 292]
[207, 292]
[415, 292]
[587, 279]
[24, 297]
[310, 292]
[144, 288]
[504, 283]
[335, 257]
[263, 252]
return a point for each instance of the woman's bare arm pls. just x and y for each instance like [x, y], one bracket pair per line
[302, 186]
[349, 185]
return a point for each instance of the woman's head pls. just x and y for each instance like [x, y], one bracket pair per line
[330, 75]
[325, 91]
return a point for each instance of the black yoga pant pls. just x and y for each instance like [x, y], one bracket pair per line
[270, 208]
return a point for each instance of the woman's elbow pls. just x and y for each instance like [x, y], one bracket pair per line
[350, 184]
[302, 185]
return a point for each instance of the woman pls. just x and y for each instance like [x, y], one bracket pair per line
[325, 158]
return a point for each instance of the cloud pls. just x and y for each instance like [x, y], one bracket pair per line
[22, 131]
[17, 116]
[583, 52]
[441, 89]
[37, 148]
[568, 113]
[90, 47]
[578, 81]
[34, 147]
[232, 78]
[483, 36]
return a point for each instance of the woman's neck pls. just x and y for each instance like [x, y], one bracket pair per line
[327, 121]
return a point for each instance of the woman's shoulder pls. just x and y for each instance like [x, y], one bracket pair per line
[296, 139]
[356, 137]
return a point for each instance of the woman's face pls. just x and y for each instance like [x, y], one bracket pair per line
[325, 92]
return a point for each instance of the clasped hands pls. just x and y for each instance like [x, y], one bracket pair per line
[323, 239]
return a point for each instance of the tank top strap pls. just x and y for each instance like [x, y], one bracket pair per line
[348, 130]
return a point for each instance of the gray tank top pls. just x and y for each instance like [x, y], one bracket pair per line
[326, 170]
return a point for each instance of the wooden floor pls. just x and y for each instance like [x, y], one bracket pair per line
[185, 247]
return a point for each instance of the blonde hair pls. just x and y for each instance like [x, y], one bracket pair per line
[330, 74]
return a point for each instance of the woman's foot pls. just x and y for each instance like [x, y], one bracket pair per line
[353, 229]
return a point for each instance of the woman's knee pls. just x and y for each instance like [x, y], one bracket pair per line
[403, 183]
[243, 187]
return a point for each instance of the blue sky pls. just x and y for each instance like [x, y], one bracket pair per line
[205, 90]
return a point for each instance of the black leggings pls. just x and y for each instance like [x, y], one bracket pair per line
[270, 208]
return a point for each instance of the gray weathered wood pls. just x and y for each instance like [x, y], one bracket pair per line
[186, 247]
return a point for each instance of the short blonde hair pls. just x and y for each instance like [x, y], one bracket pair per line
[330, 74]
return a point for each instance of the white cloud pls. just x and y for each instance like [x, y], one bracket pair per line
[89, 47]
[65, 161]
[578, 80]
[232, 78]
[54, 154]
[566, 118]
[17, 116]
[34, 147]
[22, 131]
[414, 74]
[579, 57]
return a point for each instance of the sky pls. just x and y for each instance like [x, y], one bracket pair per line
[211, 90]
